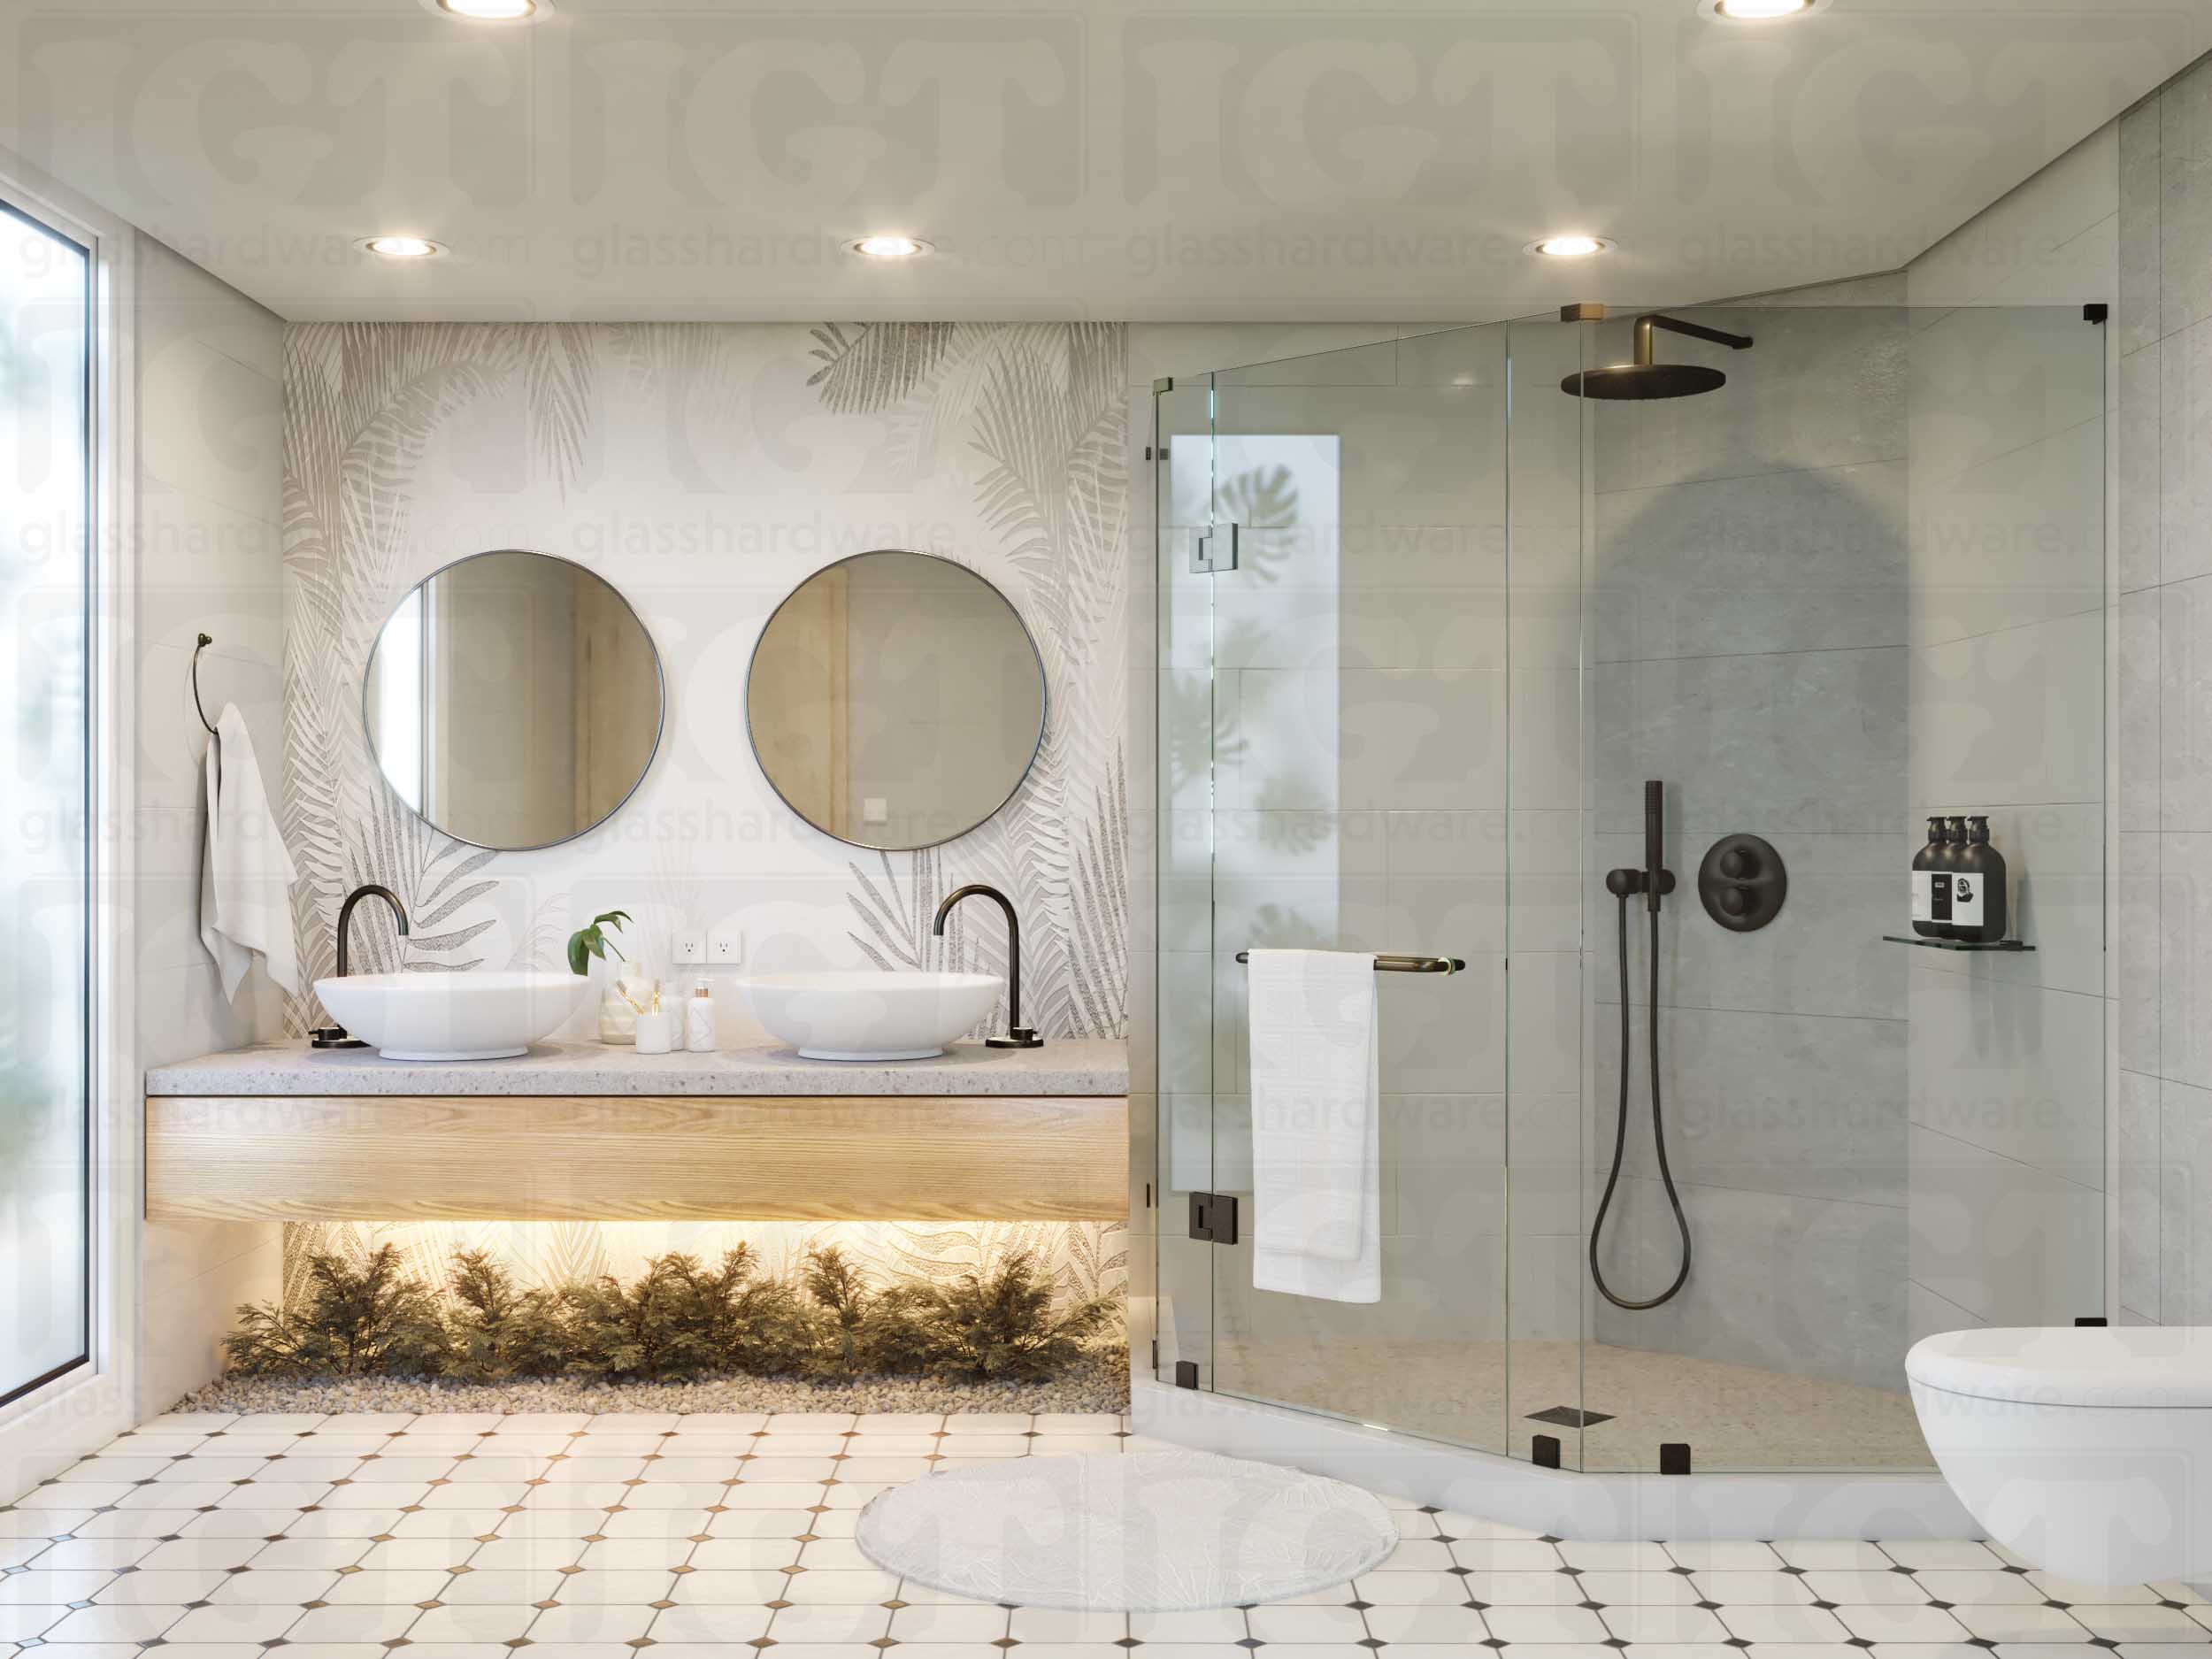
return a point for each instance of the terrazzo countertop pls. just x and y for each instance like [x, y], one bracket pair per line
[1069, 1066]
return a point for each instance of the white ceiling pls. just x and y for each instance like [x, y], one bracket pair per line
[704, 158]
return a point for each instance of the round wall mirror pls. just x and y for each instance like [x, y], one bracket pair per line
[895, 700]
[513, 699]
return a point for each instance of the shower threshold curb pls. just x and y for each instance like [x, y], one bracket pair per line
[1812, 1503]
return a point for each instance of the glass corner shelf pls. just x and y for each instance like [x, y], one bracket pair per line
[1955, 944]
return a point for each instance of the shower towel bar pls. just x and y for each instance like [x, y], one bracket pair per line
[1403, 964]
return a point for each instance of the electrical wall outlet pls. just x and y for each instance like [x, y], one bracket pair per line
[691, 949]
[725, 948]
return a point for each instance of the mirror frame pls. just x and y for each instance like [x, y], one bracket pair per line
[660, 700]
[1029, 638]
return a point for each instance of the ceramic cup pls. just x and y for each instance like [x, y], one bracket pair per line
[655, 1032]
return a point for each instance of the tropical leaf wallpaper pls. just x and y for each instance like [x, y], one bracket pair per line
[705, 469]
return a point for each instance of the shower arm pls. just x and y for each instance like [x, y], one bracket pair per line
[1650, 320]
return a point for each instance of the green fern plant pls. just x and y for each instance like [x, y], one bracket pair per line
[369, 1320]
[677, 1321]
[1000, 1324]
[494, 1331]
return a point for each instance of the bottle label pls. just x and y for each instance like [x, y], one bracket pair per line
[1966, 901]
[1922, 895]
[1939, 909]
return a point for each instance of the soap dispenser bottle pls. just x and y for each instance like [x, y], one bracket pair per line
[699, 1019]
[1923, 866]
[1978, 887]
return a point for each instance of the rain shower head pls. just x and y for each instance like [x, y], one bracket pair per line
[1644, 379]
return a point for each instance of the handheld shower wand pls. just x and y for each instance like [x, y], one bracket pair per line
[1655, 880]
[1658, 880]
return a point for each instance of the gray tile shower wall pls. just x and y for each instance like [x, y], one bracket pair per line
[1748, 633]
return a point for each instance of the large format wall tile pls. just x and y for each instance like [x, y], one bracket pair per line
[1805, 1105]
[2015, 1069]
[2010, 1243]
[2136, 925]
[2185, 162]
[1805, 1286]
[2016, 540]
[1805, 560]
[1801, 742]
[1987, 381]
[2139, 316]
[2185, 1207]
[2136, 1190]
[2185, 725]
[2184, 441]
[2139, 467]
[2141, 692]
[2185, 957]
[2011, 719]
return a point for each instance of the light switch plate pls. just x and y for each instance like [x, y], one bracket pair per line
[691, 947]
[725, 949]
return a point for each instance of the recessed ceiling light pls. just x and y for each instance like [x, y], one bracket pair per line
[1568, 247]
[888, 247]
[493, 10]
[1757, 11]
[400, 246]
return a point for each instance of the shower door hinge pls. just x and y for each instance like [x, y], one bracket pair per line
[2096, 311]
[1156, 1356]
[1187, 1373]
[1674, 1457]
[1213, 1217]
[1214, 549]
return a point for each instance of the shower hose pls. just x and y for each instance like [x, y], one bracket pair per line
[1620, 1129]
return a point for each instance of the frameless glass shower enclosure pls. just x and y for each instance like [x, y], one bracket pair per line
[1442, 650]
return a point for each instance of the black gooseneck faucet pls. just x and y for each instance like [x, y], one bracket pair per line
[1017, 1035]
[337, 1036]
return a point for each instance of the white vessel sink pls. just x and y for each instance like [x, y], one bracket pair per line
[453, 1016]
[871, 1015]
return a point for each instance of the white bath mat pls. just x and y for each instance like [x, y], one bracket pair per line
[1145, 1531]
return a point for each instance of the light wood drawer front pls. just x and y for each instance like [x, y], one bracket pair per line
[636, 1158]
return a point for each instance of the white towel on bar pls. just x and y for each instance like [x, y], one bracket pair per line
[1316, 1141]
[246, 874]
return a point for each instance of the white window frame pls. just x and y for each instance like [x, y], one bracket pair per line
[77, 1412]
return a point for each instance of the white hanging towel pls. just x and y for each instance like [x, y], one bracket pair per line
[246, 874]
[1317, 1140]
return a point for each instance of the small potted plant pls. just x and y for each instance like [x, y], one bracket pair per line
[627, 995]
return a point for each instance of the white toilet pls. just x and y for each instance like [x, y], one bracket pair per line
[2087, 1451]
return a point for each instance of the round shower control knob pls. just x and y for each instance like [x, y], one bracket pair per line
[1742, 883]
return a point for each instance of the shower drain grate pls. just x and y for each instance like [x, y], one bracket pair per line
[1569, 1417]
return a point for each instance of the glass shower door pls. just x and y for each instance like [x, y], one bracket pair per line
[1356, 797]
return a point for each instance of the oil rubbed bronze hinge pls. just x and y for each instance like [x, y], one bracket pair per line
[1213, 1217]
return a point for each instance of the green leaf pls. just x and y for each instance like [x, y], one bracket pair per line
[576, 959]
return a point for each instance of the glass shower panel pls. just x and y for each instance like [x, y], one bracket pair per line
[1546, 823]
[1183, 436]
[1361, 795]
[1859, 585]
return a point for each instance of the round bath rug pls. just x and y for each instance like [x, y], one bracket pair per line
[1165, 1532]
